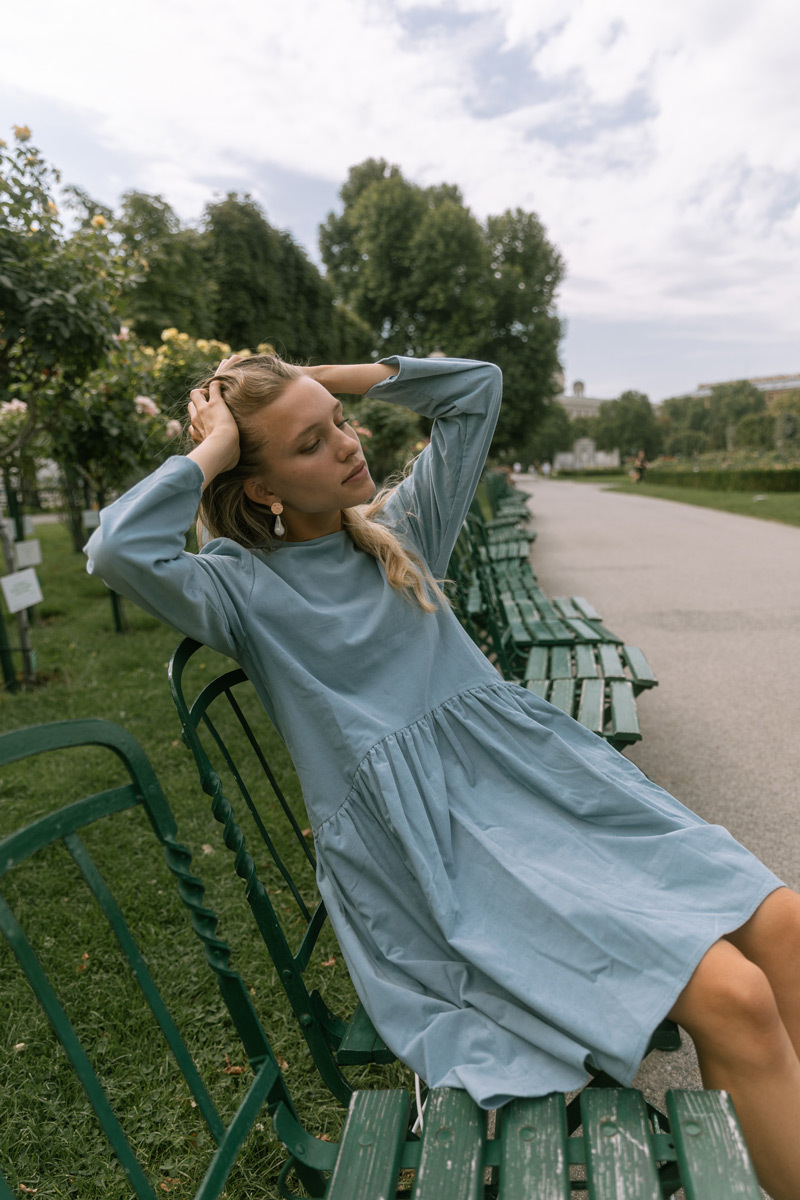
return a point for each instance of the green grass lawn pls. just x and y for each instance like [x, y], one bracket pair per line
[767, 506]
[49, 1142]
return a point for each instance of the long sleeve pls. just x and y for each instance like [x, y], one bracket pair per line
[139, 551]
[463, 399]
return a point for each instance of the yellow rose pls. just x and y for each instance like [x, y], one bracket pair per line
[21, 132]
[203, 345]
[167, 335]
[53, 208]
[149, 351]
[3, 145]
[98, 221]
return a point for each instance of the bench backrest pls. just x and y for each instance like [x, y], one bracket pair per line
[68, 842]
[231, 740]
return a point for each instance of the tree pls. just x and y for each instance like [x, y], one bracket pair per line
[266, 287]
[629, 424]
[56, 292]
[728, 403]
[756, 431]
[174, 287]
[552, 432]
[417, 266]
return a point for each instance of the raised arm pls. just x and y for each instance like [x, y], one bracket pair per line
[462, 397]
[139, 548]
[353, 380]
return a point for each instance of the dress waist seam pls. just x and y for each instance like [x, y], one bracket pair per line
[500, 685]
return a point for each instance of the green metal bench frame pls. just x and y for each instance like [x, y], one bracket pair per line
[624, 1145]
[64, 825]
[230, 780]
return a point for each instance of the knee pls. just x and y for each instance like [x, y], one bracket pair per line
[732, 1009]
[742, 997]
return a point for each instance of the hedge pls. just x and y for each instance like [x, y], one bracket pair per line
[752, 479]
[591, 473]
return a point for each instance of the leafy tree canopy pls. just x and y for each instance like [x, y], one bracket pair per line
[423, 273]
[57, 291]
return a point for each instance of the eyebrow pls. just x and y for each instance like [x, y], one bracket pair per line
[315, 426]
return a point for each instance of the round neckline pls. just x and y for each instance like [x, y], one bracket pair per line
[325, 537]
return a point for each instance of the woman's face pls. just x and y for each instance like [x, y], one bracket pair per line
[313, 462]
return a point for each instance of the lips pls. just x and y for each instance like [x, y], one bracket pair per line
[359, 473]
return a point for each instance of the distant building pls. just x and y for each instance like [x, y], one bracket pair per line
[578, 404]
[770, 385]
[583, 456]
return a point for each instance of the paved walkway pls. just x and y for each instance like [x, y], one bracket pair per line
[713, 599]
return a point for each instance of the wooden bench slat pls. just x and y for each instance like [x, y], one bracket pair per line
[583, 630]
[560, 663]
[610, 662]
[624, 719]
[712, 1155]
[565, 606]
[562, 694]
[527, 609]
[536, 666]
[451, 1157]
[534, 1159]
[619, 1160]
[605, 634]
[592, 705]
[539, 687]
[639, 667]
[362, 1043]
[586, 609]
[518, 630]
[369, 1156]
[585, 663]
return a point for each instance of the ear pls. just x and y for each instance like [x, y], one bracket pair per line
[258, 492]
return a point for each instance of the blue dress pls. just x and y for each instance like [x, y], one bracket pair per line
[513, 898]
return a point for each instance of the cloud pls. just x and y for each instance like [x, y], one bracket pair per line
[657, 143]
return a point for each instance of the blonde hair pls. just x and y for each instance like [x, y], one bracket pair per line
[227, 511]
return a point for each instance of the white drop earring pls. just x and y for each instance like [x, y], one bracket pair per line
[276, 509]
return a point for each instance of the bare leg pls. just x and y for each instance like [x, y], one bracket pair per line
[771, 939]
[743, 1047]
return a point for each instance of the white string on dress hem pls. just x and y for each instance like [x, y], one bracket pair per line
[417, 1126]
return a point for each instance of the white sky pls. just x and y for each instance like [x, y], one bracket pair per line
[657, 142]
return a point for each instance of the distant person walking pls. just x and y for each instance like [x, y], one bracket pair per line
[639, 467]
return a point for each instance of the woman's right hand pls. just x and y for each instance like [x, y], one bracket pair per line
[212, 428]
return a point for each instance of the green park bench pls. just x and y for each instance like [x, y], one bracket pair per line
[595, 683]
[607, 1142]
[558, 648]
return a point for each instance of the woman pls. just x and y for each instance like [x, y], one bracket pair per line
[513, 897]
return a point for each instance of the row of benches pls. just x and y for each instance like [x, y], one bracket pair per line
[558, 648]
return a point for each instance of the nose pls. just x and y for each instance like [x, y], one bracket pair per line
[349, 443]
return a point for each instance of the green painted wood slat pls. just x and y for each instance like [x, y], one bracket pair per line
[560, 663]
[585, 663]
[362, 1043]
[639, 667]
[562, 694]
[618, 1154]
[591, 705]
[624, 719]
[610, 662]
[712, 1155]
[451, 1157]
[369, 1157]
[534, 1159]
[536, 666]
[586, 609]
